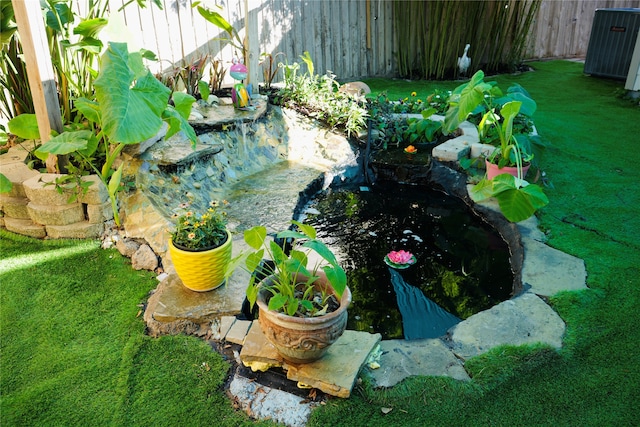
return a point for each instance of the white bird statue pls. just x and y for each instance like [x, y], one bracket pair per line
[465, 62]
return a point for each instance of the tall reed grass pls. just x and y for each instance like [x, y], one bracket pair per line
[431, 35]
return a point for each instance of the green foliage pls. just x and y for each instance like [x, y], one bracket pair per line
[518, 199]
[320, 98]
[5, 184]
[215, 18]
[15, 96]
[129, 107]
[269, 68]
[291, 279]
[423, 130]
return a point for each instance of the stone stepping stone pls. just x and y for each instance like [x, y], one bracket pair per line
[335, 373]
[400, 359]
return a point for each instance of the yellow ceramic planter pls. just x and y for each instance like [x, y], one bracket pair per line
[203, 270]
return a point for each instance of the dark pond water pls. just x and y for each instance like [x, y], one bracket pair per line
[462, 264]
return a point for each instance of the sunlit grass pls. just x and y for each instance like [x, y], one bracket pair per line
[34, 259]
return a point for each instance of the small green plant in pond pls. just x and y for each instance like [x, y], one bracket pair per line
[292, 288]
[424, 129]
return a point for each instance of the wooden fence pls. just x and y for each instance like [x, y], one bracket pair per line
[352, 38]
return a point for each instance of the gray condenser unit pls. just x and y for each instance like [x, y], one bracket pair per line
[613, 38]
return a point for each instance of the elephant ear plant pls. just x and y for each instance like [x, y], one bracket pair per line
[517, 198]
[292, 288]
[129, 106]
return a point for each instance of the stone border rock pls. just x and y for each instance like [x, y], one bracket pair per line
[35, 208]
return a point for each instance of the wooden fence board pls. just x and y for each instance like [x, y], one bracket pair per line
[335, 32]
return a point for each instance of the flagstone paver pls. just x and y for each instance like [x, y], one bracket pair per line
[400, 359]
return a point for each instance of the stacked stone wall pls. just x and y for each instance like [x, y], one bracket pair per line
[35, 207]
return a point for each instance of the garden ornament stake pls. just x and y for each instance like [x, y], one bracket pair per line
[239, 94]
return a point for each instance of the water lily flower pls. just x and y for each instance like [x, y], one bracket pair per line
[400, 257]
[411, 149]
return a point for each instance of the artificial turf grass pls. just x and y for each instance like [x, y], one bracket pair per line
[74, 351]
[594, 380]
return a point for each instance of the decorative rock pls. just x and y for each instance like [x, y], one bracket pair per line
[26, 227]
[99, 213]
[238, 331]
[56, 215]
[258, 353]
[41, 190]
[127, 247]
[17, 173]
[452, 150]
[15, 207]
[548, 271]
[97, 192]
[401, 359]
[262, 402]
[355, 88]
[172, 303]
[336, 372]
[526, 319]
[144, 259]
[78, 230]
[484, 150]
[138, 149]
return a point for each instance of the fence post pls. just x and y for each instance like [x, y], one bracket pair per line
[252, 43]
[39, 69]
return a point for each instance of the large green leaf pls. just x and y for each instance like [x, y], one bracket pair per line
[508, 112]
[515, 205]
[338, 279]
[216, 19]
[129, 114]
[464, 99]
[536, 196]
[114, 182]
[66, 142]
[90, 27]
[61, 14]
[183, 103]
[89, 109]
[178, 123]
[25, 126]
[255, 236]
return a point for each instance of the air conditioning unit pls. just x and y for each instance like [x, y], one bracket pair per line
[613, 39]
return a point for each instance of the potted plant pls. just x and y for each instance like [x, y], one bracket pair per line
[128, 105]
[509, 162]
[301, 290]
[200, 248]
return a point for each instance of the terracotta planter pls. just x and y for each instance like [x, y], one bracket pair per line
[298, 339]
[493, 170]
[201, 271]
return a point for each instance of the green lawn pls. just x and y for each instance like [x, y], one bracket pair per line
[74, 352]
